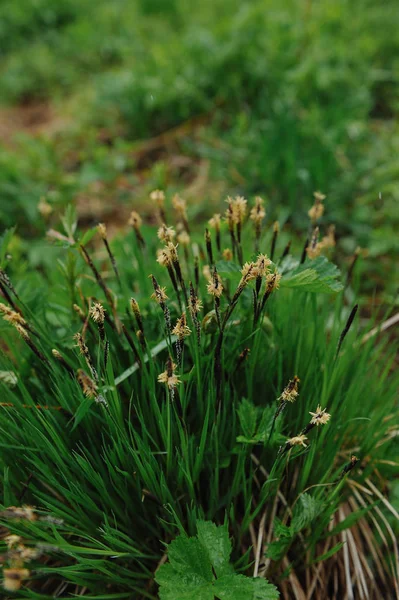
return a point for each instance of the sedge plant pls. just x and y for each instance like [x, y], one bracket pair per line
[193, 415]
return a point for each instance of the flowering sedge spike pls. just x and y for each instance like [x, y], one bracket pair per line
[214, 223]
[230, 219]
[240, 210]
[102, 230]
[166, 234]
[181, 331]
[89, 387]
[27, 339]
[317, 210]
[346, 329]
[257, 214]
[180, 207]
[58, 356]
[12, 316]
[227, 254]
[297, 440]
[172, 249]
[183, 239]
[26, 513]
[45, 209]
[215, 288]
[351, 465]
[272, 283]
[160, 297]
[208, 243]
[314, 249]
[243, 357]
[169, 377]
[84, 351]
[101, 283]
[289, 394]
[135, 221]
[195, 306]
[158, 196]
[134, 305]
[276, 230]
[320, 417]
[164, 258]
[14, 577]
[97, 313]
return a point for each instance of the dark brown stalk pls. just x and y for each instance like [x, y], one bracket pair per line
[131, 344]
[346, 329]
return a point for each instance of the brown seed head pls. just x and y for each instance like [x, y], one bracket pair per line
[89, 388]
[158, 196]
[166, 234]
[102, 230]
[181, 329]
[135, 220]
[13, 578]
[227, 254]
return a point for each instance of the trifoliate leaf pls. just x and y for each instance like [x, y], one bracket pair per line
[318, 275]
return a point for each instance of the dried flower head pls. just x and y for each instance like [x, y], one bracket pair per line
[159, 295]
[257, 213]
[183, 238]
[328, 241]
[13, 578]
[12, 316]
[163, 257]
[158, 196]
[262, 265]
[297, 440]
[97, 313]
[239, 209]
[44, 208]
[215, 287]
[320, 417]
[135, 220]
[12, 540]
[89, 387]
[273, 281]
[168, 376]
[290, 392]
[215, 221]
[317, 210]
[22, 331]
[248, 272]
[180, 206]
[27, 513]
[276, 227]
[181, 329]
[166, 234]
[228, 254]
[83, 349]
[102, 230]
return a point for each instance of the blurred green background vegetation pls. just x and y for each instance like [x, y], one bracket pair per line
[103, 101]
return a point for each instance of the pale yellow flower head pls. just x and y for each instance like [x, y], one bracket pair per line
[320, 417]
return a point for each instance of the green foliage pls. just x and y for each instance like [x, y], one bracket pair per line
[115, 470]
[193, 562]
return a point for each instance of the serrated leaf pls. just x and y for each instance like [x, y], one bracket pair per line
[247, 414]
[318, 275]
[305, 511]
[276, 550]
[216, 540]
[188, 575]
[239, 587]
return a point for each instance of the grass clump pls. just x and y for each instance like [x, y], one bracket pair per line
[214, 389]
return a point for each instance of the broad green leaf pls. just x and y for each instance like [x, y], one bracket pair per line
[247, 414]
[318, 275]
[188, 573]
[217, 543]
[239, 587]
